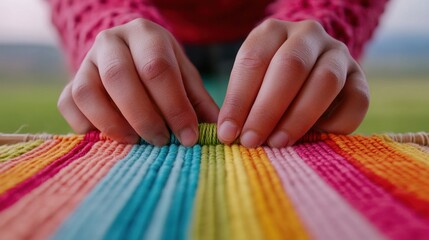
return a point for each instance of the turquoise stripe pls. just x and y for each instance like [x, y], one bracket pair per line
[174, 221]
[190, 194]
[132, 221]
[94, 216]
[161, 213]
[149, 194]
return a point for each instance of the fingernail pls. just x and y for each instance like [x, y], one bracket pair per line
[160, 140]
[188, 136]
[250, 139]
[228, 131]
[278, 139]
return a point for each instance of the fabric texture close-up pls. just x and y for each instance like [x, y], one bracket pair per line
[324, 187]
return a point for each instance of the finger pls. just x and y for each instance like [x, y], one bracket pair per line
[318, 92]
[286, 74]
[203, 104]
[159, 71]
[71, 113]
[247, 74]
[121, 81]
[351, 110]
[92, 100]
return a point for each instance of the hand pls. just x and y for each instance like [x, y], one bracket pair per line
[136, 81]
[288, 78]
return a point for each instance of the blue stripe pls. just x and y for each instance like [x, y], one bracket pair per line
[190, 193]
[132, 221]
[95, 214]
[158, 224]
[173, 221]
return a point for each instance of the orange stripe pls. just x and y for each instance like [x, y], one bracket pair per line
[261, 193]
[398, 173]
[26, 169]
[413, 152]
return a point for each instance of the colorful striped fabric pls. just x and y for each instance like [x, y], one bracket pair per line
[325, 187]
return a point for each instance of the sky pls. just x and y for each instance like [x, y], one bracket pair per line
[29, 20]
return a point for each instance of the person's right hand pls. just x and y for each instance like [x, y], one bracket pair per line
[136, 81]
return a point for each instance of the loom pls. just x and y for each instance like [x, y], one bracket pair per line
[326, 186]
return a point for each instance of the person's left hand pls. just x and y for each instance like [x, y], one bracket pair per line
[289, 77]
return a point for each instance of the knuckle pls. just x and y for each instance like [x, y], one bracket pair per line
[293, 61]
[142, 24]
[151, 30]
[139, 22]
[312, 25]
[249, 61]
[81, 91]
[269, 24]
[342, 47]
[104, 36]
[112, 71]
[332, 77]
[155, 68]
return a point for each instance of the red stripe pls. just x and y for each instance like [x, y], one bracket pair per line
[418, 205]
[11, 196]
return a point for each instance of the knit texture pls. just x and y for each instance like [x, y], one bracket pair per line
[325, 187]
[203, 22]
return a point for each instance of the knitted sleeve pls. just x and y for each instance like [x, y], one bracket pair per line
[350, 21]
[79, 21]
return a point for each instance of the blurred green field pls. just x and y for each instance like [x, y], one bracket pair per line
[396, 106]
[31, 108]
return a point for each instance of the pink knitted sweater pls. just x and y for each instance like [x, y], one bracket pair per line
[209, 21]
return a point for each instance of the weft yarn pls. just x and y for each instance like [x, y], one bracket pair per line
[325, 187]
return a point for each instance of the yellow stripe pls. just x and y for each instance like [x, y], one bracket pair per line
[262, 194]
[244, 223]
[8, 152]
[411, 151]
[222, 217]
[237, 225]
[198, 221]
[286, 217]
[401, 170]
[210, 228]
[26, 169]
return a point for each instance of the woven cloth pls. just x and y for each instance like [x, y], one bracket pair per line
[325, 187]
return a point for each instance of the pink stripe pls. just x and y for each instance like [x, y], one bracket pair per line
[4, 166]
[317, 203]
[41, 211]
[14, 194]
[391, 217]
